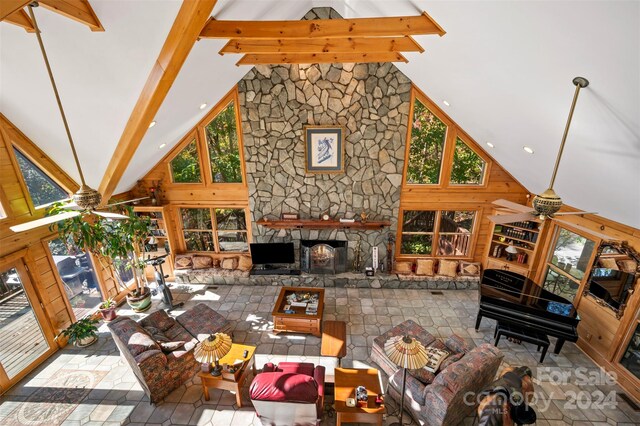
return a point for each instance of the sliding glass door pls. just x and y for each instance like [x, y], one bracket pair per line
[23, 339]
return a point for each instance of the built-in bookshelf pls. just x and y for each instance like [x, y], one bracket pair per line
[157, 243]
[522, 237]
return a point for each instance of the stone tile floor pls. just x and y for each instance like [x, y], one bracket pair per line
[570, 389]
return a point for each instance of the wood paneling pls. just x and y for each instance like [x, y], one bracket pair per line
[320, 58]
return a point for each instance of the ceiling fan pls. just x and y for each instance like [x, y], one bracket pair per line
[547, 204]
[86, 199]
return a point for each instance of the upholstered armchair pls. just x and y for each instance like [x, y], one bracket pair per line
[291, 393]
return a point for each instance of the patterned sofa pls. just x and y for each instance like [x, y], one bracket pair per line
[439, 399]
[159, 348]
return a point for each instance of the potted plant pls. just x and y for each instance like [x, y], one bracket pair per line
[82, 333]
[108, 309]
[117, 242]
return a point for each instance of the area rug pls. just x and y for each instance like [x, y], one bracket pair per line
[53, 403]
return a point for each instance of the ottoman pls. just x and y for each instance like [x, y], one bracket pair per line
[201, 321]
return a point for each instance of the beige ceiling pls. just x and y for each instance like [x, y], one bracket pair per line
[505, 68]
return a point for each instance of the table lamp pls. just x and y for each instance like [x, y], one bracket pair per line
[511, 251]
[211, 350]
[406, 352]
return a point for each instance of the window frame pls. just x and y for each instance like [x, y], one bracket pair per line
[214, 227]
[186, 141]
[436, 231]
[482, 155]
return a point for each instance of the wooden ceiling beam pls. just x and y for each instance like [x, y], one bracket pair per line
[323, 28]
[8, 7]
[184, 32]
[21, 19]
[320, 58]
[78, 10]
[323, 45]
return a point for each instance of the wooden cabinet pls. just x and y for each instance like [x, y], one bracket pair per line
[521, 237]
[158, 242]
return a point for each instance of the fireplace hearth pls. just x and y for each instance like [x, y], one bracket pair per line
[323, 256]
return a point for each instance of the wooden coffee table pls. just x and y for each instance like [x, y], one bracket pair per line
[297, 321]
[231, 381]
[346, 382]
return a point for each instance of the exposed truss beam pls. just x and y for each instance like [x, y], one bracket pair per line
[21, 19]
[323, 45]
[320, 58]
[186, 28]
[323, 28]
[8, 7]
[78, 10]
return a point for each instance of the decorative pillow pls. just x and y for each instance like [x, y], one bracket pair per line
[424, 267]
[627, 265]
[245, 264]
[448, 268]
[470, 269]
[202, 262]
[608, 262]
[216, 263]
[183, 261]
[404, 268]
[435, 357]
[157, 335]
[168, 347]
[230, 263]
[163, 322]
[450, 360]
[422, 375]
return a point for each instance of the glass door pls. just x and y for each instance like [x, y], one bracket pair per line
[24, 341]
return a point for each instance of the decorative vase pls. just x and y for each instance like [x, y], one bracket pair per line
[87, 341]
[140, 303]
[108, 314]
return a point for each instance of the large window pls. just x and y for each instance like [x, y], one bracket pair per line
[185, 167]
[428, 134]
[468, 167]
[445, 233]
[568, 263]
[222, 144]
[42, 189]
[214, 229]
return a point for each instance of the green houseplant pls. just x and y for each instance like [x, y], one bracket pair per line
[82, 333]
[116, 243]
[108, 309]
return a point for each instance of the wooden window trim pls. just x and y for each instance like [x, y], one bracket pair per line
[436, 232]
[472, 146]
[214, 228]
[186, 141]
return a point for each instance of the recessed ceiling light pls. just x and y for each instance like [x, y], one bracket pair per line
[490, 145]
[528, 150]
[162, 145]
[153, 123]
[203, 106]
[446, 103]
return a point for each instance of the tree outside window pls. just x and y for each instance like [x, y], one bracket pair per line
[228, 231]
[185, 167]
[222, 143]
[452, 237]
[468, 167]
[428, 134]
[42, 189]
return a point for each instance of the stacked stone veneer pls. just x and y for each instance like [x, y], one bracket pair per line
[370, 101]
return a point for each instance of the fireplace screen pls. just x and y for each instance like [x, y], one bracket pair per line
[323, 257]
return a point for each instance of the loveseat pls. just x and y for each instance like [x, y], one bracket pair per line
[449, 395]
[290, 393]
[159, 349]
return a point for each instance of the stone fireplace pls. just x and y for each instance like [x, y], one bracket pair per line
[323, 256]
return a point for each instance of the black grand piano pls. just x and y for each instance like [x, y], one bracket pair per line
[514, 299]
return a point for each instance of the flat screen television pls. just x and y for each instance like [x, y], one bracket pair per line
[272, 253]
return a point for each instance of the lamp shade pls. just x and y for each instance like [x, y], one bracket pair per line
[406, 352]
[511, 249]
[213, 348]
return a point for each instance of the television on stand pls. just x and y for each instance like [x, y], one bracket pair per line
[273, 259]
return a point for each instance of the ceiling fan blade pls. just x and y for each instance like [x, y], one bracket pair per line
[133, 200]
[110, 215]
[569, 213]
[44, 221]
[513, 206]
[510, 218]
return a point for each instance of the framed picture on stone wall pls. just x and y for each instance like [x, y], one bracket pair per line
[324, 149]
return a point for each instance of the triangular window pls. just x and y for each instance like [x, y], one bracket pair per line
[185, 167]
[222, 144]
[42, 189]
[468, 167]
[428, 134]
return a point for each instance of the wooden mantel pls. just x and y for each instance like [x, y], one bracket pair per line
[321, 224]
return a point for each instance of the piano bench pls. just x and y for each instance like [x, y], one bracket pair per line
[508, 330]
